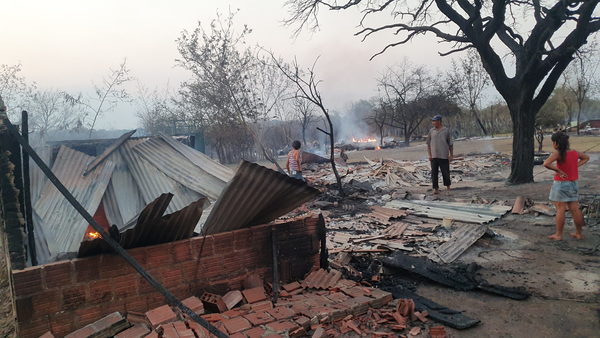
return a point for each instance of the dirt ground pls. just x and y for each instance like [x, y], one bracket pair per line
[563, 277]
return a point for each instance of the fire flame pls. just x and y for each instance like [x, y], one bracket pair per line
[378, 148]
[364, 140]
[93, 235]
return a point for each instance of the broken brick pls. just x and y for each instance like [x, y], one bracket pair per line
[437, 332]
[292, 286]
[282, 326]
[213, 302]
[255, 295]
[262, 306]
[237, 324]
[169, 331]
[303, 321]
[414, 331]
[106, 326]
[422, 316]
[319, 333]
[195, 304]
[160, 315]
[232, 298]
[406, 308]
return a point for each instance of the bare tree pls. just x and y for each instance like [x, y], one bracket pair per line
[470, 79]
[303, 111]
[106, 95]
[14, 89]
[400, 88]
[50, 111]
[307, 88]
[580, 80]
[380, 117]
[539, 52]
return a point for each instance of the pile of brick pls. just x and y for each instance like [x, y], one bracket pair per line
[323, 305]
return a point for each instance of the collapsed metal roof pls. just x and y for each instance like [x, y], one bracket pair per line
[126, 177]
[256, 195]
[468, 213]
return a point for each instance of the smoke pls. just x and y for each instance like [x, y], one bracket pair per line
[353, 122]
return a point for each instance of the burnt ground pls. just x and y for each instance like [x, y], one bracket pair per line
[563, 277]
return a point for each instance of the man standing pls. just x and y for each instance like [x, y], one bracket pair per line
[440, 148]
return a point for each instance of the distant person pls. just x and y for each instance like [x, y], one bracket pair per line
[440, 148]
[294, 161]
[565, 189]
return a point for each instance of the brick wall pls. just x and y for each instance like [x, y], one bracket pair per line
[64, 296]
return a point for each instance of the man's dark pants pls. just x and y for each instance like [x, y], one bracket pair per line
[436, 165]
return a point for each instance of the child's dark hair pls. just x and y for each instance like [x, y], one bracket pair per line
[562, 140]
[296, 144]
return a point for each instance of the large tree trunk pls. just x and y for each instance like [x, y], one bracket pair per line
[523, 144]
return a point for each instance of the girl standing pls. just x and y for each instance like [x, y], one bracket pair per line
[565, 189]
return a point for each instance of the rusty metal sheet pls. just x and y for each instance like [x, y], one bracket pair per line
[256, 195]
[57, 216]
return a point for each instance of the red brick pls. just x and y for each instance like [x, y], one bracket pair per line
[262, 306]
[124, 286]
[259, 318]
[160, 315]
[292, 286]
[169, 331]
[57, 274]
[114, 266]
[255, 295]
[73, 297]
[87, 269]
[171, 277]
[237, 324]
[152, 334]
[281, 312]
[62, 323]
[159, 255]
[213, 317]
[24, 308]
[282, 326]
[84, 332]
[213, 302]
[136, 331]
[202, 246]
[255, 332]
[46, 302]
[237, 335]
[35, 328]
[195, 304]
[139, 254]
[233, 298]
[88, 314]
[27, 281]
[99, 291]
[253, 281]
[136, 304]
[182, 251]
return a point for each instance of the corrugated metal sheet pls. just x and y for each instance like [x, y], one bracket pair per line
[122, 200]
[395, 230]
[256, 195]
[57, 215]
[468, 213]
[461, 240]
[151, 227]
[42, 238]
[199, 159]
[161, 154]
[152, 183]
[109, 150]
[37, 178]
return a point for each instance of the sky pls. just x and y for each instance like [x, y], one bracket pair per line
[70, 45]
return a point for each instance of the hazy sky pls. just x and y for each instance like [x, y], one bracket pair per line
[69, 45]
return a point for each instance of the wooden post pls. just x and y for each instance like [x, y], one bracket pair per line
[275, 248]
[27, 190]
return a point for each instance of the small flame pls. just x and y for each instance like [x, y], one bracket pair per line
[93, 235]
[363, 140]
[378, 148]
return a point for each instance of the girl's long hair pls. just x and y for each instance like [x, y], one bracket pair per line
[562, 140]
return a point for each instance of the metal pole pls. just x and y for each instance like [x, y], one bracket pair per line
[27, 189]
[171, 299]
[275, 264]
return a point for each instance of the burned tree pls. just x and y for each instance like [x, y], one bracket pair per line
[307, 89]
[303, 111]
[579, 81]
[540, 51]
